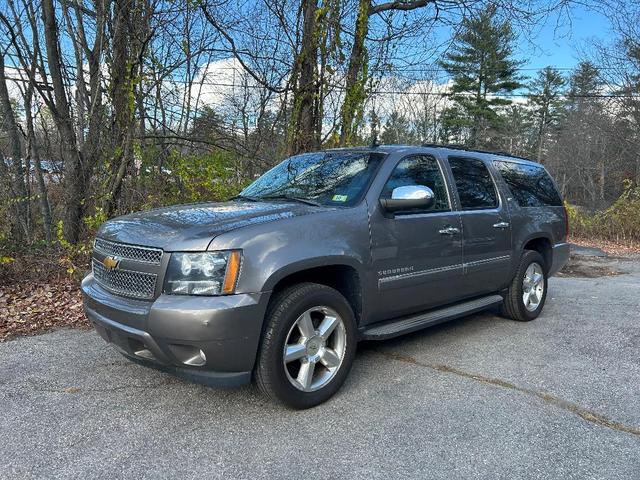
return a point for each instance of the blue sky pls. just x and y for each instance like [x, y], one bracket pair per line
[562, 42]
[563, 48]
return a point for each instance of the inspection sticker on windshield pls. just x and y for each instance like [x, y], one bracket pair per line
[339, 198]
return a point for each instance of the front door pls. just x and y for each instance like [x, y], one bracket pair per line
[416, 254]
[485, 226]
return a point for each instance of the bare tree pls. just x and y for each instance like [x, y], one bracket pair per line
[33, 155]
[130, 37]
[19, 199]
[357, 71]
[546, 96]
[76, 184]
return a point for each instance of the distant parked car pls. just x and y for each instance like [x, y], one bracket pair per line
[52, 170]
[51, 167]
[324, 250]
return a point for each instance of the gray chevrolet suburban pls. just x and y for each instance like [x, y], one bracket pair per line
[324, 250]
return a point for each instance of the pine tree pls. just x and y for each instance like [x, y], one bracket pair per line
[396, 129]
[546, 97]
[583, 84]
[482, 67]
[451, 125]
[374, 123]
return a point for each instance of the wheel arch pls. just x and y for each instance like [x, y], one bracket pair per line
[543, 245]
[344, 276]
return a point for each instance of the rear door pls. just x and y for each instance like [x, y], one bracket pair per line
[486, 226]
[535, 204]
[416, 254]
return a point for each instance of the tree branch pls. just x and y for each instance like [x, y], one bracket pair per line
[236, 53]
[399, 5]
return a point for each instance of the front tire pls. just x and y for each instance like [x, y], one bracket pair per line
[527, 293]
[308, 345]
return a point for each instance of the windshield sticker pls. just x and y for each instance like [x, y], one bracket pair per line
[339, 198]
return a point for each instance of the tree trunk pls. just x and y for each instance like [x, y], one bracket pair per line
[477, 118]
[602, 179]
[75, 182]
[33, 154]
[128, 44]
[355, 95]
[95, 109]
[351, 113]
[542, 131]
[302, 128]
[20, 200]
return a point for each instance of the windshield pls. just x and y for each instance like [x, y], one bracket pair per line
[326, 178]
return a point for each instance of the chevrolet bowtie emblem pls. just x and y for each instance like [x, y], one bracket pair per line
[111, 262]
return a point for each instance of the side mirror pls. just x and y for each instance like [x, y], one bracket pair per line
[408, 197]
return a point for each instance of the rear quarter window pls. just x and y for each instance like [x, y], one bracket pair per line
[530, 185]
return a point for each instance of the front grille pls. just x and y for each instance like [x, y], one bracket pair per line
[125, 282]
[129, 252]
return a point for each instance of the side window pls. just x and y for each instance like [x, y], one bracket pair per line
[530, 185]
[473, 181]
[419, 170]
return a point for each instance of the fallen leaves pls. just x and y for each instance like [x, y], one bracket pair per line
[612, 248]
[35, 307]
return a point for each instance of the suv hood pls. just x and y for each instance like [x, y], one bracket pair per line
[192, 227]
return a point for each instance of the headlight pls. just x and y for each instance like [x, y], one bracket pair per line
[206, 273]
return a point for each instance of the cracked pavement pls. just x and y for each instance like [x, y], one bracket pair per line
[480, 397]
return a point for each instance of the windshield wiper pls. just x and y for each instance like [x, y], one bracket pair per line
[295, 199]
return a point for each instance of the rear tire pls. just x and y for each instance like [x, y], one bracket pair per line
[308, 345]
[527, 293]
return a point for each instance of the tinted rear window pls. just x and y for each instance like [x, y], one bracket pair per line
[530, 185]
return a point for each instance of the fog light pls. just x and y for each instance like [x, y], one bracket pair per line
[197, 360]
[189, 355]
[144, 353]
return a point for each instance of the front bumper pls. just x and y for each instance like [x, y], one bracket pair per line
[560, 257]
[171, 331]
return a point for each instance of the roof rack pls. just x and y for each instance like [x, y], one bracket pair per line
[455, 146]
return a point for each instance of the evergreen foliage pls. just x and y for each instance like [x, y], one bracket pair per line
[483, 70]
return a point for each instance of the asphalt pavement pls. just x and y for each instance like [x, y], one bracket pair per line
[480, 397]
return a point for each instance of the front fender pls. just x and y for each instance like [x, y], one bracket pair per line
[309, 263]
[271, 251]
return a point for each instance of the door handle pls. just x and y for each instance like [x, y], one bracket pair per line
[501, 225]
[449, 231]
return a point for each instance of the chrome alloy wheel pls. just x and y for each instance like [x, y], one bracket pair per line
[533, 287]
[314, 348]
